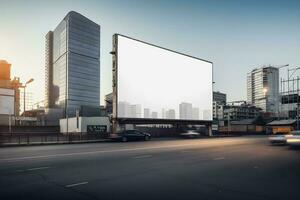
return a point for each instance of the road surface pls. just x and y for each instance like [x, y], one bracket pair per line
[218, 168]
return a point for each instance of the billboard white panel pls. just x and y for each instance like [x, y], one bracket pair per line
[4, 91]
[7, 101]
[156, 83]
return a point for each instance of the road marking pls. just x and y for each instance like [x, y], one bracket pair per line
[95, 152]
[143, 156]
[33, 169]
[220, 158]
[76, 184]
[103, 151]
[185, 151]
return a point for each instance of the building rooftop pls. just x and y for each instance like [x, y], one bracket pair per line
[282, 122]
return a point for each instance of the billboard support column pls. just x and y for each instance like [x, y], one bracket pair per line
[114, 126]
[210, 130]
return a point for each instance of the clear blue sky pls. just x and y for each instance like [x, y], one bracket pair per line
[236, 36]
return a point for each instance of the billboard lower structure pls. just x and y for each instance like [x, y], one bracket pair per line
[157, 85]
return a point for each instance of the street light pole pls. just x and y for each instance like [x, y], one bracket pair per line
[24, 96]
[24, 101]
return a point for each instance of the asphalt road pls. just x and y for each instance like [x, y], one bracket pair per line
[219, 168]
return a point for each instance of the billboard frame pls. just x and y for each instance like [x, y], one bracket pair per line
[116, 119]
[13, 95]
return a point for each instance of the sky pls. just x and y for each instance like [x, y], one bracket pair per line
[236, 35]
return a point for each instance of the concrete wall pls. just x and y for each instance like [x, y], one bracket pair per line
[82, 123]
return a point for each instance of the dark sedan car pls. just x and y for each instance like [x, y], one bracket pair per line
[130, 135]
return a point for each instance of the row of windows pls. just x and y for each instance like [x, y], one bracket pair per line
[89, 51]
[79, 34]
[83, 23]
[83, 60]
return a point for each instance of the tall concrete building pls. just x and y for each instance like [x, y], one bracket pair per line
[195, 113]
[219, 100]
[73, 65]
[263, 89]
[185, 111]
[147, 113]
[170, 114]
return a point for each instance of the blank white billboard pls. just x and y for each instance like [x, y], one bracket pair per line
[7, 101]
[156, 83]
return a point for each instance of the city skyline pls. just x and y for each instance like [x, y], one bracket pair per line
[261, 39]
[184, 111]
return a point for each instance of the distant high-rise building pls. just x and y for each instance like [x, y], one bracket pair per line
[170, 114]
[73, 64]
[185, 111]
[147, 113]
[207, 115]
[124, 109]
[135, 111]
[154, 115]
[263, 89]
[195, 113]
[163, 113]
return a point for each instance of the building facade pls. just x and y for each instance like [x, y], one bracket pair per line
[219, 100]
[219, 97]
[73, 65]
[240, 112]
[263, 89]
[9, 91]
[185, 111]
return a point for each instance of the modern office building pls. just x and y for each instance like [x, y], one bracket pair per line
[263, 89]
[73, 65]
[219, 97]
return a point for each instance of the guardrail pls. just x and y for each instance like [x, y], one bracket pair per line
[38, 138]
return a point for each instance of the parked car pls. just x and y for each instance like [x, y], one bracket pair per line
[190, 134]
[131, 135]
[279, 138]
[294, 138]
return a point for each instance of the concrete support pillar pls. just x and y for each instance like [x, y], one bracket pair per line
[210, 130]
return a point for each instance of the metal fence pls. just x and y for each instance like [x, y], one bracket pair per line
[53, 138]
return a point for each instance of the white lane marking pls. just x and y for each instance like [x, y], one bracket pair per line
[185, 151]
[94, 152]
[103, 151]
[220, 158]
[32, 169]
[142, 156]
[76, 184]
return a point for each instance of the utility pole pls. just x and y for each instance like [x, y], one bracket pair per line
[24, 101]
[297, 102]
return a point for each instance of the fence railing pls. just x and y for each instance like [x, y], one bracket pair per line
[36, 138]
